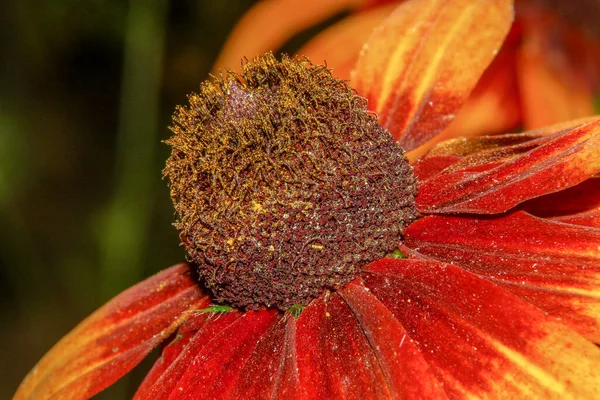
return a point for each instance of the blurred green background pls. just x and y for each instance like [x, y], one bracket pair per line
[87, 89]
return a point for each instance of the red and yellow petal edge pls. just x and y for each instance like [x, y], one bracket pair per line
[417, 84]
[270, 23]
[115, 338]
[552, 264]
[494, 174]
[407, 329]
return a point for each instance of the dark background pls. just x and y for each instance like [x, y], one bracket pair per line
[87, 89]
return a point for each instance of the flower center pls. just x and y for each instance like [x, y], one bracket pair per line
[284, 184]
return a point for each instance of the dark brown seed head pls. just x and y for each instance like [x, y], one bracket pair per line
[284, 184]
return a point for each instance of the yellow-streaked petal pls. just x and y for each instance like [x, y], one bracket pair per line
[482, 341]
[114, 339]
[422, 62]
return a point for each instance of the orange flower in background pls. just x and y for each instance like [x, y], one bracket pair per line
[492, 290]
[547, 71]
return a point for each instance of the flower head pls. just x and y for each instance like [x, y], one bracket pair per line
[283, 169]
[487, 301]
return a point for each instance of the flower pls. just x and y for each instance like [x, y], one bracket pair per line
[547, 71]
[496, 295]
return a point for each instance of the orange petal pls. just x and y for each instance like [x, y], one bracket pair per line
[115, 338]
[421, 63]
[553, 265]
[480, 340]
[554, 86]
[270, 23]
[352, 32]
[494, 181]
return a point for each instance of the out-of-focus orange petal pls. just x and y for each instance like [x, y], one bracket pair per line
[115, 338]
[553, 265]
[270, 23]
[553, 86]
[421, 63]
[339, 45]
[481, 340]
[495, 181]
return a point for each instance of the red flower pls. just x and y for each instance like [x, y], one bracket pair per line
[492, 301]
[547, 71]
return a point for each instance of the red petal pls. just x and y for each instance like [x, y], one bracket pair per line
[482, 341]
[407, 374]
[220, 358]
[493, 106]
[553, 265]
[178, 356]
[420, 65]
[495, 181]
[335, 361]
[114, 339]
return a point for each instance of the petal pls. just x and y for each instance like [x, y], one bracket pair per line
[353, 31]
[553, 265]
[492, 107]
[421, 63]
[353, 348]
[270, 23]
[588, 218]
[554, 86]
[577, 199]
[115, 338]
[497, 180]
[408, 375]
[333, 356]
[234, 355]
[480, 340]
[178, 355]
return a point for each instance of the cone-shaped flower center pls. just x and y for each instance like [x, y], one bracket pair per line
[284, 184]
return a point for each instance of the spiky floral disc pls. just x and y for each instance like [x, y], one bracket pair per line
[284, 184]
